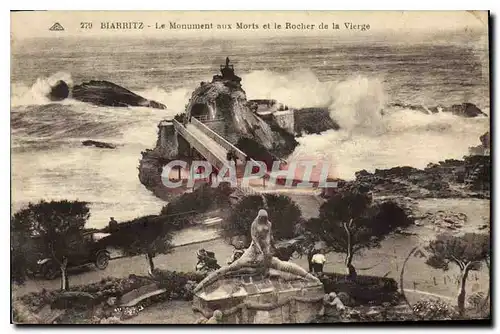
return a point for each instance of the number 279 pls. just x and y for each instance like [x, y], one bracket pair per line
[85, 25]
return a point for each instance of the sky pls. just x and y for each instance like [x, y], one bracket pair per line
[37, 23]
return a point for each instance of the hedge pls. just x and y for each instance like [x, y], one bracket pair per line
[364, 290]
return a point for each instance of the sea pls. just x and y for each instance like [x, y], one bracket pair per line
[354, 79]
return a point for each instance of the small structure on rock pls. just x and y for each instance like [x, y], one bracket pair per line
[227, 73]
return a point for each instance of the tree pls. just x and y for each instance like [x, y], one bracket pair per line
[17, 256]
[283, 213]
[149, 235]
[466, 251]
[58, 225]
[348, 222]
[202, 199]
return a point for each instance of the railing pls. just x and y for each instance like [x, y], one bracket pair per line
[197, 144]
[219, 139]
[206, 118]
[218, 162]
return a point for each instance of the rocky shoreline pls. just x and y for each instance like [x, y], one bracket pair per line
[467, 178]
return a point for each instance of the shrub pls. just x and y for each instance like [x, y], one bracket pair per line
[202, 199]
[101, 291]
[283, 213]
[363, 290]
[479, 306]
[434, 309]
[179, 285]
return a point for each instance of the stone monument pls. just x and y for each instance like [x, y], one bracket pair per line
[258, 288]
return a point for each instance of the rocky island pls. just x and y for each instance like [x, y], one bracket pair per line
[265, 130]
[101, 93]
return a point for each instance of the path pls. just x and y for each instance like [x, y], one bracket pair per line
[420, 292]
[171, 312]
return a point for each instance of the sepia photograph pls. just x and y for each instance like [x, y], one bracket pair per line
[250, 167]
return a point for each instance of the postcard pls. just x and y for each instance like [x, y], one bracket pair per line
[250, 167]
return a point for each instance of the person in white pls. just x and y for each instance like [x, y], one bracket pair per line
[318, 261]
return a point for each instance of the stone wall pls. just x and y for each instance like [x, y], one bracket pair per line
[285, 120]
[167, 144]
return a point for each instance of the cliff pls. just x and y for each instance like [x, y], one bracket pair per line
[225, 100]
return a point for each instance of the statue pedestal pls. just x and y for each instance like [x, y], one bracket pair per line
[259, 300]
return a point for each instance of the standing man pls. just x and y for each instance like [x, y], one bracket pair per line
[113, 224]
[318, 261]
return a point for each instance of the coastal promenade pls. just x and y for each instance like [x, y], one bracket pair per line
[421, 281]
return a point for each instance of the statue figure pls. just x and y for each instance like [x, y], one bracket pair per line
[227, 61]
[258, 258]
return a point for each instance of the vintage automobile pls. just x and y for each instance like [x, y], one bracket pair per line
[92, 251]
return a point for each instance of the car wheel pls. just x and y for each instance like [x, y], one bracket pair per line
[102, 260]
[49, 271]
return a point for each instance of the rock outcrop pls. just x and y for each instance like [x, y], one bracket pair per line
[465, 178]
[484, 148]
[463, 110]
[59, 92]
[101, 93]
[224, 100]
[98, 144]
[313, 121]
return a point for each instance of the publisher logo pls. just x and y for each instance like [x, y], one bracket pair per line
[56, 27]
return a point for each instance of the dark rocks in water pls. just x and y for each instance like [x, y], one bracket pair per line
[98, 144]
[101, 93]
[59, 92]
[313, 121]
[465, 110]
[411, 107]
[105, 93]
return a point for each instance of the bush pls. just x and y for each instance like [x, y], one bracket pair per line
[479, 306]
[364, 290]
[179, 285]
[283, 213]
[101, 291]
[200, 200]
[366, 314]
[434, 309]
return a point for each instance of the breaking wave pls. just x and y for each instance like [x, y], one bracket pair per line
[36, 94]
[368, 138]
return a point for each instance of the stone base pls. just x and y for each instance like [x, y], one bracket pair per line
[258, 300]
